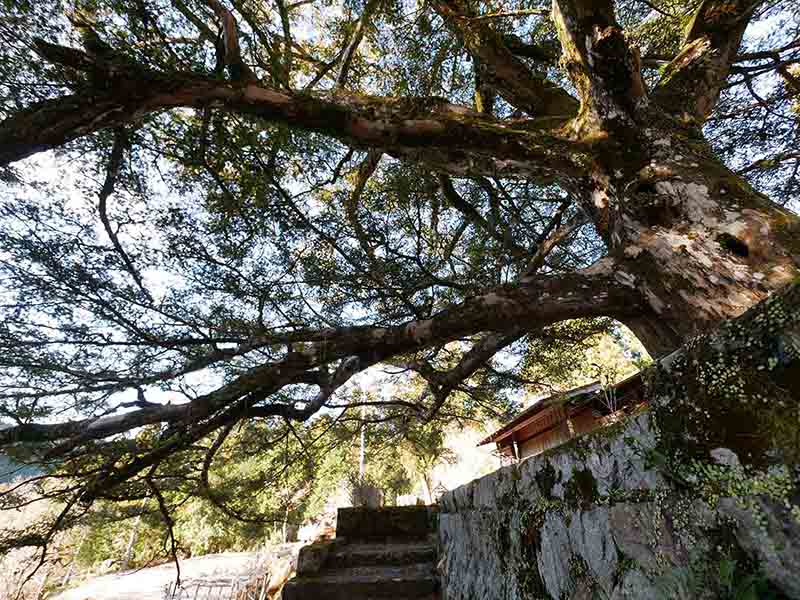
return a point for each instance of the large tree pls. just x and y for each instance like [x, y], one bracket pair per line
[281, 195]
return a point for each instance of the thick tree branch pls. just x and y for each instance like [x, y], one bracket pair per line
[453, 138]
[530, 305]
[502, 70]
[546, 53]
[773, 162]
[286, 76]
[691, 83]
[442, 384]
[188, 432]
[237, 68]
[355, 40]
[604, 69]
[485, 94]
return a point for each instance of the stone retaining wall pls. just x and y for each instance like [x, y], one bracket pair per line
[695, 497]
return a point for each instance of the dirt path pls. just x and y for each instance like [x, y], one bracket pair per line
[149, 584]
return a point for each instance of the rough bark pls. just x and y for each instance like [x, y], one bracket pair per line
[232, 55]
[690, 234]
[600, 62]
[501, 69]
[449, 137]
[692, 81]
[355, 40]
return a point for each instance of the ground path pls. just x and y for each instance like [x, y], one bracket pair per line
[149, 584]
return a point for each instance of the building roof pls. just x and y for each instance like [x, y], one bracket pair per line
[541, 410]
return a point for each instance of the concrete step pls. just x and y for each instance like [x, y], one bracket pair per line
[387, 523]
[416, 581]
[387, 554]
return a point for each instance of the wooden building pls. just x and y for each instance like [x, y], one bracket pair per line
[552, 421]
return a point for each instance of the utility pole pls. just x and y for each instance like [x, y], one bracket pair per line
[361, 455]
[132, 539]
[71, 568]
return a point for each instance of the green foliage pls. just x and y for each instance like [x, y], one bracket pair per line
[271, 477]
[575, 353]
[723, 579]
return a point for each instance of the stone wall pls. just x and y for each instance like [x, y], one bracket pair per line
[695, 497]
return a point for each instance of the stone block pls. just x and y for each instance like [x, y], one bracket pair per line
[464, 495]
[554, 556]
[496, 489]
[312, 557]
[591, 539]
[400, 522]
[447, 503]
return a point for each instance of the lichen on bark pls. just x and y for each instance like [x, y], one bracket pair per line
[737, 388]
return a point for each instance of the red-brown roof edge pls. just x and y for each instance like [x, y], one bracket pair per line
[545, 403]
[538, 407]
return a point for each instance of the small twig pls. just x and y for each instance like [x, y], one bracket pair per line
[657, 9]
[536, 12]
[112, 172]
[162, 506]
[355, 40]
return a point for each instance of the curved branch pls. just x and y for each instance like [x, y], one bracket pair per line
[443, 384]
[501, 69]
[112, 172]
[528, 305]
[169, 522]
[773, 162]
[455, 200]
[691, 83]
[365, 171]
[355, 40]
[551, 239]
[205, 485]
[456, 138]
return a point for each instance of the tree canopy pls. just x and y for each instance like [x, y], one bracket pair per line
[218, 212]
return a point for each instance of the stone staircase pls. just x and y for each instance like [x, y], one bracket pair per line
[377, 553]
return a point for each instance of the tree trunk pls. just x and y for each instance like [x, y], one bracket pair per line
[689, 234]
